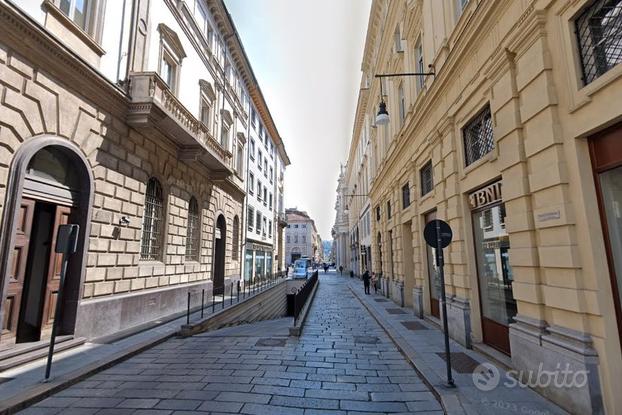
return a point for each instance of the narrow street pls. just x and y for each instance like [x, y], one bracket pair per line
[343, 363]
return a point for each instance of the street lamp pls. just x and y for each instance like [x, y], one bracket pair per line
[382, 118]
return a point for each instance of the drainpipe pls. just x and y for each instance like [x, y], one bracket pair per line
[121, 42]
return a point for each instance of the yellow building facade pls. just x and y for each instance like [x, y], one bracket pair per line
[516, 142]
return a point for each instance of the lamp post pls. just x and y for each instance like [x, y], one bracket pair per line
[382, 118]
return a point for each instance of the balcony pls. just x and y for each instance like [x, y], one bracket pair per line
[153, 107]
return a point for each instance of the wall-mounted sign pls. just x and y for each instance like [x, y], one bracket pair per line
[486, 196]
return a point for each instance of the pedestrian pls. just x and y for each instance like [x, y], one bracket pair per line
[366, 281]
[374, 282]
[340, 269]
[351, 274]
[325, 268]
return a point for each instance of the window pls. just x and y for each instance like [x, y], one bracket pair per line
[200, 14]
[304, 239]
[303, 226]
[419, 66]
[253, 117]
[251, 218]
[295, 239]
[270, 201]
[388, 209]
[377, 213]
[193, 231]
[84, 13]
[265, 167]
[240, 161]
[478, 137]
[263, 230]
[288, 239]
[206, 111]
[259, 160]
[397, 40]
[402, 102]
[426, 176]
[168, 71]
[271, 175]
[270, 228]
[258, 190]
[460, 5]
[251, 149]
[151, 242]
[405, 196]
[599, 32]
[224, 135]
[235, 238]
[171, 55]
[251, 183]
[265, 195]
[258, 223]
[296, 226]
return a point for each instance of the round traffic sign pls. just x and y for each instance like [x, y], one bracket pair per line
[429, 233]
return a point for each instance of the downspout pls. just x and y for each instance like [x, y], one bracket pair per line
[121, 42]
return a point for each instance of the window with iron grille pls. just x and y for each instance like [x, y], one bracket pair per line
[405, 195]
[426, 175]
[151, 243]
[599, 33]
[235, 238]
[193, 232]
[478, 137]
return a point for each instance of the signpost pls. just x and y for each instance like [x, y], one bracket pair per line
[66, 244]
[438, 234]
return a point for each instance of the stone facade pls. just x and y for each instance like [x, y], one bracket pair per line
[523, 206]
[300, 236]
[116, 141]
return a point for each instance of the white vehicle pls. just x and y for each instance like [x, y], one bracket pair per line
[301, 269]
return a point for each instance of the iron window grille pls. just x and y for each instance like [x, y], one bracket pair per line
[478, 137]
[426, 175]
[235, 239]
[151, 242]
[193, 232]
[599, 34]
[405, 195]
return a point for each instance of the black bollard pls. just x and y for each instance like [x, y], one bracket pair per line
[188, 310]
[202, 301]
[238, 300]
[231, 294]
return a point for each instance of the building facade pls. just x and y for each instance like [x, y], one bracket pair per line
[513, 139]
[129, 119]
[267, 160]
[300, 236]
[340, 231]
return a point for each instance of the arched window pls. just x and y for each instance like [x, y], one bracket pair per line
[193, 231]
[151, 245]
[235, 238]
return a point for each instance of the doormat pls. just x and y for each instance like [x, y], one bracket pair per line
[396, 311]
[461, 362]
[413, 325]
[366, 339]
[271, 342]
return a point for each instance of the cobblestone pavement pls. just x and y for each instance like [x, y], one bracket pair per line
[342, 364]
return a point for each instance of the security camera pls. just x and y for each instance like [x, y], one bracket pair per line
[124, 220]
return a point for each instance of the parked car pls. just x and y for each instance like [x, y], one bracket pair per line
[301, 269]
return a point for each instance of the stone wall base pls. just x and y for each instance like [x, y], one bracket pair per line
[458, 319]
[564, 355]
[109, 315]
[417, 294]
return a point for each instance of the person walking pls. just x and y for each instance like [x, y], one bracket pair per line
[325, 268]
[366, 279]
[340, 269]
[374, 282]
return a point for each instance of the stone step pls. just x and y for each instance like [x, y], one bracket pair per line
[22, 355]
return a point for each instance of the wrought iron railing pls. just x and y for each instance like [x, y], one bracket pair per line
[302, 295]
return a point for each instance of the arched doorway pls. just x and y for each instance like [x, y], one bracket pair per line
[49, 185]
[220, 239]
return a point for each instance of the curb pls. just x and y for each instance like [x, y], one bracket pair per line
[449, 401]
[41, 391]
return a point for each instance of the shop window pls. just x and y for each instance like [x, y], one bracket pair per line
[153, 222]
[426, 176]
[598, 30]
[193, 231]
[235, 238]
[478, 137]
[405, 195]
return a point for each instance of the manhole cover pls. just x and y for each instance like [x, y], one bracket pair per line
[413, 325]
[270, 342]
[461, 362]
[366, 339]
[395, 311]
[381, 300]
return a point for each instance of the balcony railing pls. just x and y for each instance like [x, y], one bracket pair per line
[154, 106]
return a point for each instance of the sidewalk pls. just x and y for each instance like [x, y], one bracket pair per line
[23, 385]
[423, 344]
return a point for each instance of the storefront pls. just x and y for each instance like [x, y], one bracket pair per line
[606, 153]
[492, 244]
[258, 261]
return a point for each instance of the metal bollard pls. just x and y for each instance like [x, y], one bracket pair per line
[231, 294]
[202, 301]
[238, 300]
[224, 290]
[188, 310]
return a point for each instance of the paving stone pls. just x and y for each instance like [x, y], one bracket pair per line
[243, 397]
[337, 394]
[255, 409]
[184, 404]
[278, 390]
[139, 403]
[57, 402]
[216, 406]
[305, 402]
[97, 402]
[373, 406]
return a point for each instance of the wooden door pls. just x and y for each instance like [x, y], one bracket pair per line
[17, 270]
[53, 278]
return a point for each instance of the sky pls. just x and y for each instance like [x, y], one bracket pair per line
[306, 55]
